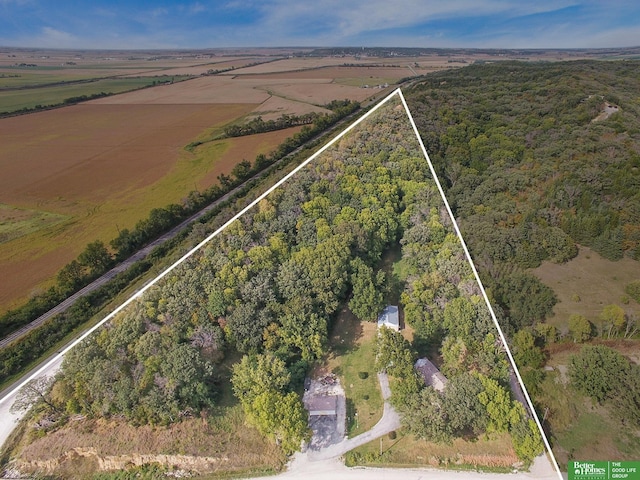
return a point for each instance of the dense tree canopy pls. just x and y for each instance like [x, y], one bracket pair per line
[270, 285]
[607, 376]
[529, 173]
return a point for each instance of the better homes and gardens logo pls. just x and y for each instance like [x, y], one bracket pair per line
[588, 470]
[603, 470]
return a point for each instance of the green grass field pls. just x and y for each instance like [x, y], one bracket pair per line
[586, 284]
[12, 79]
[15, 100]
[364, 400]
[17, 222]
[353, 348]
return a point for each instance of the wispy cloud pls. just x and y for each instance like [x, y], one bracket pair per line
[159, 12]
[52, 38]
[428, 23]
[196, 8]
[350, 19]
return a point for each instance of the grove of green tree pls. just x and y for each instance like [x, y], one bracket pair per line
[269, 288]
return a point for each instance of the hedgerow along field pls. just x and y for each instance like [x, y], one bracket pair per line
[18, 99]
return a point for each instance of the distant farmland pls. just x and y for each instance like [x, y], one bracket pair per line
[102, 167]
[18, 99]
[81, 173]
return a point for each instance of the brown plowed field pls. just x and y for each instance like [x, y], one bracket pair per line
[104, 166]
[291, 64]
[203, 67]
[363, 72]
[88, 152]
[226, 89]
[216, 89]
[84, 172]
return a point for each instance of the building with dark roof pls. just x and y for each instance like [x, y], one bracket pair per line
[431, 375]
[322, 406]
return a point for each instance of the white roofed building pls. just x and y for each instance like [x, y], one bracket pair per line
[390, 318]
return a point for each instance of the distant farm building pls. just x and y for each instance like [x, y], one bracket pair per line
[431, 375]
[390, 318]
[323, 406]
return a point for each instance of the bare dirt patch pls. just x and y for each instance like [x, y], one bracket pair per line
[226, 444]
[608, 109]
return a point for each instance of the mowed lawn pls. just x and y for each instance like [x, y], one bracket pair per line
[352, 357]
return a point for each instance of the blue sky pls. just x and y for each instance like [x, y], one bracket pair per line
[135, 24]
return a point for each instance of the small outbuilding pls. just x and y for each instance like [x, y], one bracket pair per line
[390, 318]
[431, 375]
[323, 406]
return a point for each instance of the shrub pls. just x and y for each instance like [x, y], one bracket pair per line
[633, 290]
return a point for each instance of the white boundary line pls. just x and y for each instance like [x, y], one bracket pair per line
[261, 197]
[43, 368]
[484, 293]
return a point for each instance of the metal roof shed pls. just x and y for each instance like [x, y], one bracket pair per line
[390, 318]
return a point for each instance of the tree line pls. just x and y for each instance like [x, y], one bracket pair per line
[269, 288]
[97, 258]
[443, 304]
[527, 171]
[530, 176]
[258, 125]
